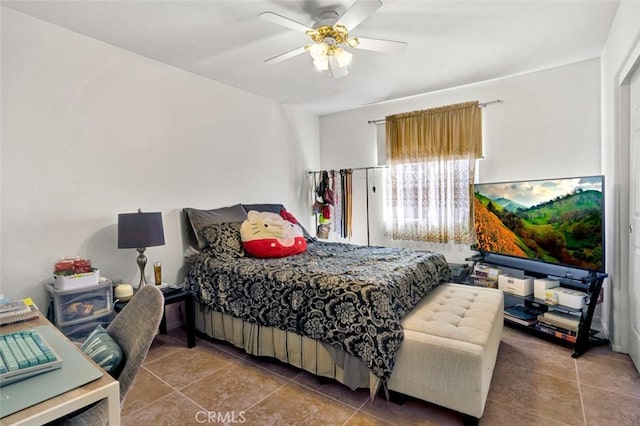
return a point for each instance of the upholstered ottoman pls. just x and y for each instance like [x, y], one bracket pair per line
[450, 347]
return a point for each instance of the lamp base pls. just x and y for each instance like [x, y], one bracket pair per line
[142, 263]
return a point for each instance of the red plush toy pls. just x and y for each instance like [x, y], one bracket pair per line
[268, 235]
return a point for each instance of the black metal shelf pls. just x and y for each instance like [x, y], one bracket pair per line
[586, 337]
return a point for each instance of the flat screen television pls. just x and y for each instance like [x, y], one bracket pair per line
[554, 222]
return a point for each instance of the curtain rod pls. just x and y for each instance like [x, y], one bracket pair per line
[481, 105]
[352, 168]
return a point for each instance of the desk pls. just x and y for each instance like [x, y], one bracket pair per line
[106, 387]
[171, 297]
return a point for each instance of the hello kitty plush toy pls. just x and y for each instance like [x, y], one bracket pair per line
[268, 235]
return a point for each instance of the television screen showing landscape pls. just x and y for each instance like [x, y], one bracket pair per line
[556, 221]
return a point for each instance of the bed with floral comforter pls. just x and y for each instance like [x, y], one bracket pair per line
[351, 297]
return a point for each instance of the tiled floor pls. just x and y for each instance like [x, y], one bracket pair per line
[534, 383]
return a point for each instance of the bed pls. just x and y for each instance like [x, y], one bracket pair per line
[335, 310]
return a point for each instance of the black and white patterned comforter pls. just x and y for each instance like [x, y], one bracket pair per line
[351, 297]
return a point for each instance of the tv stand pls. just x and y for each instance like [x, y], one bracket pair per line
[588, 282]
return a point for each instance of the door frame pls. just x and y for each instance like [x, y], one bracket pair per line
[621, 309]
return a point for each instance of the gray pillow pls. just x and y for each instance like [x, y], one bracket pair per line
[271, 208]
[224, 240]
[199, 219]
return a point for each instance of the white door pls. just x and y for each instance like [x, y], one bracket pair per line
[634, 214]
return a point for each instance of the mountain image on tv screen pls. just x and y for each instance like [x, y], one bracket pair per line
[555, 221]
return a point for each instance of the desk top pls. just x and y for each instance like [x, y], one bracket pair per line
[77, 377]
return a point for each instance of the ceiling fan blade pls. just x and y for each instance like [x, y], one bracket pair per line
[377, 45]
[285, 22]
[358, 12]
[286, 55]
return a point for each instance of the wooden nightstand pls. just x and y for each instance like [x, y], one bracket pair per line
[175, 296]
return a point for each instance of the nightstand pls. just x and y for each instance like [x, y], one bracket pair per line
[170, 297]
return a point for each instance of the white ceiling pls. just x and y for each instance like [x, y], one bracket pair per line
[450, 43]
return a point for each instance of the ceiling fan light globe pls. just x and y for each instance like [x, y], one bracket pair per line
[335, 70]
[318, 50]
[343, 58]
[321, 64]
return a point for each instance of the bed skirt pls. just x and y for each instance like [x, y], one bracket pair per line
[299, 351]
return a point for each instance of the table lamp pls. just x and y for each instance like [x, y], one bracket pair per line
[139, 231]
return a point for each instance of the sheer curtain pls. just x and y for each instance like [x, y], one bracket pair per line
[431, 156]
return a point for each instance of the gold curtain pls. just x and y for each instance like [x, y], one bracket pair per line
[453, 131]
[432, 157]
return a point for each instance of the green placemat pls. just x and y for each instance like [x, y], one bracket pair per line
[76, 371]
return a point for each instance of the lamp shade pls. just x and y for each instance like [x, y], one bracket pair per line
[139, 230]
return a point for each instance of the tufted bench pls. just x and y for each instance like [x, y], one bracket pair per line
[450, 347]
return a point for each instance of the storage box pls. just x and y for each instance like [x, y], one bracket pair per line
[486, 271]
[70, 282]
[484, 282]
[70, 307]
[540, 285]
[485, 276]
[79, 332]
[522, 286]
[574, 299]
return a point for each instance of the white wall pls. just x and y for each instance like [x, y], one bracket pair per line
[622, 43]
[548, 126]
[90, 131]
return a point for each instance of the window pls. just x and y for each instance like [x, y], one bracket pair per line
[429, 201]
[429, 185]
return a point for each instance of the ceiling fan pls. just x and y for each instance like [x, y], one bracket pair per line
[330, 35]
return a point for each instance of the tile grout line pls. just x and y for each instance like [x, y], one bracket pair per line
[359, 410]
[584, 414]
[174, 390]
[157, 399]
[316, 391]
[613, 391]
[267, 396]
[525, 410]
[286, 380]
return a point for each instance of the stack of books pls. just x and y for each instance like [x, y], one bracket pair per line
[485, 275]
[559, 324]
[17, 310]
[521, 315]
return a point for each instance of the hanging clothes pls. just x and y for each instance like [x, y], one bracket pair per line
[344, 202]
[349, 203]
[338, 216]
[312, 185]
[323, 205]
[333, 203]
[346, 176]
[324, 191]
